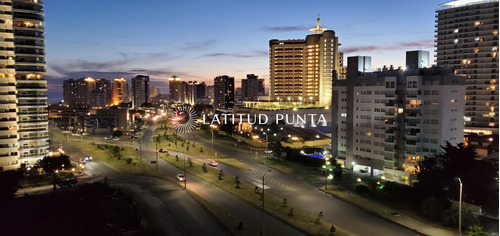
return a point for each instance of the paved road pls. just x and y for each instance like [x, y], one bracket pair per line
[251, 217]
[343, 215]
[180, 214]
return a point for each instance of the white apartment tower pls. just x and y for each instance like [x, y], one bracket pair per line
[467, 40]
[386, 122]
[9, 145]
[29, 43]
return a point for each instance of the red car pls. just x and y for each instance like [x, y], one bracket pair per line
[163, 150]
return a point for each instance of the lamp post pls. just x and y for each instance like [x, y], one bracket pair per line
[267, 147]
[97, 127]
[460, 208]
[327, 162]
[140, 149]
[158, 139]
[185, 177]
[263, 203]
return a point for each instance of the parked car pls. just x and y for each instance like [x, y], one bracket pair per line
[108, 138]
[213, 163]
[68, 182]
[181, 177]
[163, 150]
[240, 140]
[116, 138]
[268, 151]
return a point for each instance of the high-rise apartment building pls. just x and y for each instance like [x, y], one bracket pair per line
[140, 90]
[223, 92]
[119, 91]
[467, 40]
[386, 122]
[177, 89]
[195, 92]
[29, 45]
[9, 148]
[78, 93]
[251, 88]
[155, 91]
[101, 96]
[304, 69]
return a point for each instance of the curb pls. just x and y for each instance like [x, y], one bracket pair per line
[373, 213]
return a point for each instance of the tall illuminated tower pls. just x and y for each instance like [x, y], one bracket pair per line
[9, 154]
[29, 44]
[303, 69]
[467, 40]
[119, 91]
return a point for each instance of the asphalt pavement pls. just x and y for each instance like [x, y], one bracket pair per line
[343, 215]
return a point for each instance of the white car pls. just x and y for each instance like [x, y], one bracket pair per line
[213, 163]
[268, 151]
[181, 177]
[116, 138]
[107, 138]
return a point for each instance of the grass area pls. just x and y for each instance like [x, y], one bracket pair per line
[103, 152]
[124, 160]
[247, 192]
[167, 141]
[226, 219]
[282, 166]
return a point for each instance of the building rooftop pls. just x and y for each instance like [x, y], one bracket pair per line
[461, 3]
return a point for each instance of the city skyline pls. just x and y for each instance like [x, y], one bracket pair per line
[196, 41]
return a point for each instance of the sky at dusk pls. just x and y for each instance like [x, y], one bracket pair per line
[199, 40]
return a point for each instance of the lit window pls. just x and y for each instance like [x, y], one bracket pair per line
[455, 31]
[456, 41]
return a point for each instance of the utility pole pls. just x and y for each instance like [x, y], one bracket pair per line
[185, 177]
[263, 204]
[460, 209]
[157, 152]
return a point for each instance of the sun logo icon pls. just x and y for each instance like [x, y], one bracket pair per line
[184, 119]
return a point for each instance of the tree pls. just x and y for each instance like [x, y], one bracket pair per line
[51, 164]
[117, 133]
[476, 230]
[438, 175]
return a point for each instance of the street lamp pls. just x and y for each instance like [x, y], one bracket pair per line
[327, 162]
[158, 139]
[263, 203]
[460, 208]
[267, 146]
[185, 177]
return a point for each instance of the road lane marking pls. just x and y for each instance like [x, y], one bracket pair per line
[110, 166]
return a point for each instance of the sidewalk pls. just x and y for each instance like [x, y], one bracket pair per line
[388, 213]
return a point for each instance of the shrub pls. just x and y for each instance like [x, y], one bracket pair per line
[362, 189]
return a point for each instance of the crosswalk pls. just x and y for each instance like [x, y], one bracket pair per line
[270, 179]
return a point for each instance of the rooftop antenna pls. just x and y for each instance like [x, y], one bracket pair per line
[318, 28]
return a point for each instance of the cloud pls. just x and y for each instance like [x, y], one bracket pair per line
[257, 53]
[199, 46]
[360, 49]
[399, 46]
[284, 28]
